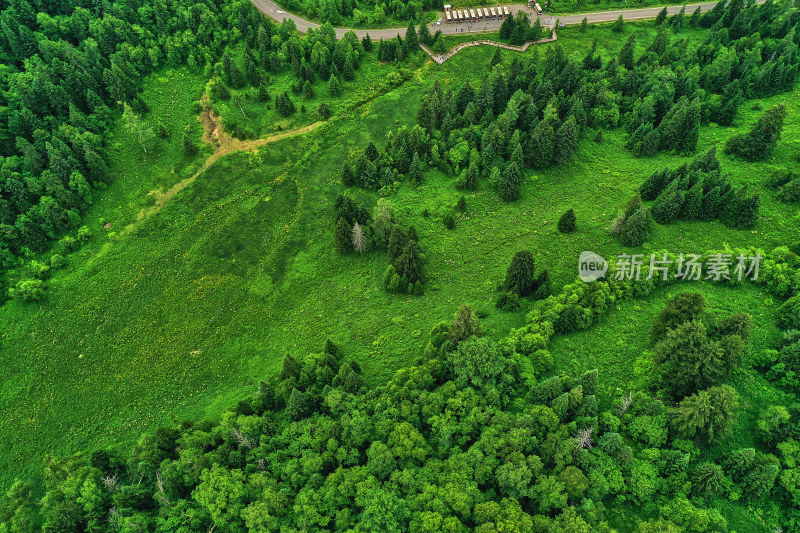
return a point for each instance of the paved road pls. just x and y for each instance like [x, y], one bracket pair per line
[277, 13]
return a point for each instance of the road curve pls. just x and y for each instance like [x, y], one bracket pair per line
[274, 11]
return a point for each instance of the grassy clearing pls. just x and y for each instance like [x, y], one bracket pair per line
[182, 316]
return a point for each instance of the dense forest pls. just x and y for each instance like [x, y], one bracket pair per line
[476, 436]
[71, 71]
[480, 433]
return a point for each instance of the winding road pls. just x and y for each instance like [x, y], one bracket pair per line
[274, 11]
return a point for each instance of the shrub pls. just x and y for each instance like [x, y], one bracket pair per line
[28, 290]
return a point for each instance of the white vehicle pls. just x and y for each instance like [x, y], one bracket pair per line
[439, 22]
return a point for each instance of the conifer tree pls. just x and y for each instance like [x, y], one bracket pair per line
[566, 224]
[415, 170]
[635, 230]
[409, 266]
[567, 140]
[343, 236]
[619, 25]
[397, 243]
[521, 274]
[334, 87]
[412, 39]
[759, 143]
[692, 207]
[662, 16]
[466, 325]
[510, 183]
[425, 34]
[497, 57]
[667, 206]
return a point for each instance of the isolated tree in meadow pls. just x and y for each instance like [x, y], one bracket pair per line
[759, 143]
[707, 415]
[348, 178]
[466, 325]
[566, 224]
[359, 241]
[619, 25]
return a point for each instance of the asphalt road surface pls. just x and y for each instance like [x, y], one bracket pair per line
[277, 13]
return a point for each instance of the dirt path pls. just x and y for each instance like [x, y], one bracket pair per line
[223, 144]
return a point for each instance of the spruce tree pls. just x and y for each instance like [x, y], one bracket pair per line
[619, 25]
[334, 87]
[348, 178]
[655, 184]
[635, 230]
[521, 274]
[711, 204]
[366, 42]
[412, 39]
[692, 207]
[507, 28]
[567, 140]
[708, 414]
[662, 16]
[425, 34]
[465, 326]
[584, 25]
[343, 236]
[627, 51]
[349, 71]
[510, 183]
[667, 206]
[415, 170]
[759, 143]
[497, 57]
[397, 243]
[409, 266]
[566, 224]
[469, 180]
[308, 91]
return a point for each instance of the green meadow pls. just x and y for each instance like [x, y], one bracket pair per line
[181, 313]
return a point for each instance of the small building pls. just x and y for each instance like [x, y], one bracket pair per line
[448, 8]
